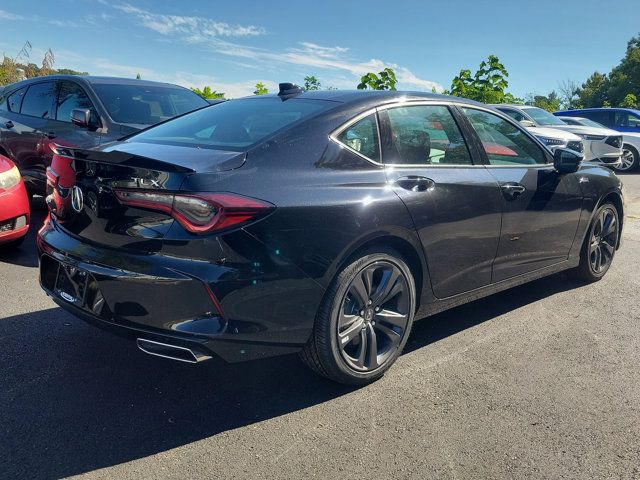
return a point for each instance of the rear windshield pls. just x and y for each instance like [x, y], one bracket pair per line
[146, 105]
[233, 125]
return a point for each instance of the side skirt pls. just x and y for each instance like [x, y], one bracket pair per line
[445, 304]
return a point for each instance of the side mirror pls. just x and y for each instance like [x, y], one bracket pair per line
[81, 117]
[566, 161]
[527, 123]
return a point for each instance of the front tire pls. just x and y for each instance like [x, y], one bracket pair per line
[630, 159]
[600, 245]
[364, 320]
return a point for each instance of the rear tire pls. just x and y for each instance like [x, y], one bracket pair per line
[630, 159]
[599, 247]
[364, 320]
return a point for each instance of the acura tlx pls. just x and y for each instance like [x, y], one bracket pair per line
[315, 222]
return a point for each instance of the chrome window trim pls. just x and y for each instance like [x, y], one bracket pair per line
[400, 103]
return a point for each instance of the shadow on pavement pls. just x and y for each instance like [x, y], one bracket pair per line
[75, 399]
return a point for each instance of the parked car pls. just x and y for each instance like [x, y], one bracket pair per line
[81, 110]
[14, 206]
[623, 120]
[322, 222]
[534, 120]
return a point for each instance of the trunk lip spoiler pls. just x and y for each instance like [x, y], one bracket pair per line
[118, 157]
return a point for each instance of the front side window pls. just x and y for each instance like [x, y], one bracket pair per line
[424, 135]
[362, 137]
[503, 142]
[601, 116]
[234, 125]
[38, 101]
[71, 96]
[626, 119]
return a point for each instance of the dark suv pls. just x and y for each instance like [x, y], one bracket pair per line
[80, 111]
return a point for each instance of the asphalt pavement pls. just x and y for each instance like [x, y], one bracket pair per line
[541, 381]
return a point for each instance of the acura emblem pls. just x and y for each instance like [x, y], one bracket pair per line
[77, 199]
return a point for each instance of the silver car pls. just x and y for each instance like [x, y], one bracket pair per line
[601, 144]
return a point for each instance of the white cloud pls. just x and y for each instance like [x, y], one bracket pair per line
[4, 15]
[193, 29]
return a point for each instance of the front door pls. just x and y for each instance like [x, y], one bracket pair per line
[541, 206]
[456, 205]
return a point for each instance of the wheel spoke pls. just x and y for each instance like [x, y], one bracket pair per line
[391, 334]
[372, 347]
[394, 318]
[359, 290]
[608, 250]
[345, 320]
[362, 353]
[598, 265]
[610, 226]
[352, 332]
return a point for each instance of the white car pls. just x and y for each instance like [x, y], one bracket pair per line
[628, 139]
[552, 137]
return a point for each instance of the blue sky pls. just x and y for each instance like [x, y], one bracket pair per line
[232, 45]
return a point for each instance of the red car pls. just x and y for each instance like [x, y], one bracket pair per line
[14, 205]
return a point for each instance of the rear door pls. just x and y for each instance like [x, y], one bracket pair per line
[28, 119]
[456, 205]
[541, 206]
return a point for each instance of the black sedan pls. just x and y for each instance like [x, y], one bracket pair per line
[318, 222]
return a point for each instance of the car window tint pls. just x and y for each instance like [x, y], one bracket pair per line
[38, 100]
[626, 119]
[504, 143]
[516, 115]
[147, 104]
[71, 96]
[233, 125]
[603, 117]
[362, 137]
[425, 135]
[13, 101]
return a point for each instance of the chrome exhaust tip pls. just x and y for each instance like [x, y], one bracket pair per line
[172, 352]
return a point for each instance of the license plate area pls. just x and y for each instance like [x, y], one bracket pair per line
[71, 284]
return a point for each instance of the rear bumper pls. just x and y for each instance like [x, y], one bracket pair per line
[236, 312]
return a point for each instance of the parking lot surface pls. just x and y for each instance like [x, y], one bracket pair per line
[541, 381]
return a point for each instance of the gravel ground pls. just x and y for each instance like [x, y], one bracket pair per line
[542, 381]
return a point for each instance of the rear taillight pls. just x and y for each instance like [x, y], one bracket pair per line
[198, 212]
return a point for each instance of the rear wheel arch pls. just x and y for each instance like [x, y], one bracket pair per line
[408, 252]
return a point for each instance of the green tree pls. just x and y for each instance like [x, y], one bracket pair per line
[593, 92]
[550, 103]
[630, 101]
[311, 83]
[138, 76]
[384, 80]
[260, 89]
[487, 84]
[207, 93]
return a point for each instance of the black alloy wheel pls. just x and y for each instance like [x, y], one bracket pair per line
[364, 321]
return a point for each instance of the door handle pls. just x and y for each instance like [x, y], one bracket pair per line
[51, 135]
[512, 190]
[416, 183]
[8, 124]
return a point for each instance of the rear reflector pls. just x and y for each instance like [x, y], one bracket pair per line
[199, 212]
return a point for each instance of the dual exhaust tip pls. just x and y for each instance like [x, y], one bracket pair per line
[172, 352]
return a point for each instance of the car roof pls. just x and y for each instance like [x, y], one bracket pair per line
[92, 80]
[599, 109]
[373, 97]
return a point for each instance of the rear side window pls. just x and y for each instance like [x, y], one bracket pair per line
[425, 135]
[503, 142]
[11, 101]
[233, 125]
[147, 104]
[71, 96]
[38, 100]
[604, 117]
[362, 137]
